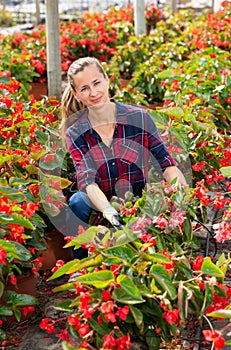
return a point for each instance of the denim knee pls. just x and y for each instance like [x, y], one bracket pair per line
[78, 212]
[81, 205]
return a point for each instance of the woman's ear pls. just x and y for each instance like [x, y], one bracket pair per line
[74, 93]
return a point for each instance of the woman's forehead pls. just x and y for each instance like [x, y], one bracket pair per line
[88, 75]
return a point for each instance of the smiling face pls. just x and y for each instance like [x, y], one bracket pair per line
[91, 86]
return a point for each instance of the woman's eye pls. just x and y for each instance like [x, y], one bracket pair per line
[97, 82]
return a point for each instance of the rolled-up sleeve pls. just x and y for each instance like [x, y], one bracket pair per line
[157, 147]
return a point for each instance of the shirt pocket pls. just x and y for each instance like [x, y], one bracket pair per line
[131, 153]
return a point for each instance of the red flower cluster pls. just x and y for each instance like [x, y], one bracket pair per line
[215, 337]
[3, 255]
[171, 316]
[109, 342]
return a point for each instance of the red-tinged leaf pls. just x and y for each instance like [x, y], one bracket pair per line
[62, 270]
[220, 314]
[99, 279]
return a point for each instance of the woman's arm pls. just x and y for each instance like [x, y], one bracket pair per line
[173, 172]
[97, 197]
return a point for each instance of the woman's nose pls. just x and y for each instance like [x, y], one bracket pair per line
[92, 89]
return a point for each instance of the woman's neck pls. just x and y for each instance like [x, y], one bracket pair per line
[102, 115]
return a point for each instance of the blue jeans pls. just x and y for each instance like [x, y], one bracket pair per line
[78, 213]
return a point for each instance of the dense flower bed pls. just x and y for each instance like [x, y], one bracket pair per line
[183, 64]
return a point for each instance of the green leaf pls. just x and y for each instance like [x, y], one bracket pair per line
[99, 279]
[16, 250]
[174, 111]
[32, 169]
[188, 232]
[124, 298]
[3, 335]
[220, 314]
[210, 269]
[155, 258]
[223, 263]
[86, 263]
[12, 193]
[19, 299]
[152, 340]
[124, 236]
[62, 270]
[156, 204]
[61, 181]
[165, 74]
[4, 80]
[87, 237]
[17, 314]
[67, 346]
[162, 278]
[2, 287]
[15, 181]
[63, 287]
[177, 199]
[145, 291]
[6, 219]
[159, 118]
[22, 252]
[100, 329]
[5, 311]
[22, 221]
[125, 253]
[41, 137]
[226, 171]
[137, 315]
[129, 288]
[64, 306]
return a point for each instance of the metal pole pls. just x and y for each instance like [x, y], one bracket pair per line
[139, 17]
[174, 6]
[53, 49]
[38, 18]
[213, 3]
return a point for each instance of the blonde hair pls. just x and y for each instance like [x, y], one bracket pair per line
[69, 105]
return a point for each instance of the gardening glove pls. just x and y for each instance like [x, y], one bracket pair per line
[111, 214]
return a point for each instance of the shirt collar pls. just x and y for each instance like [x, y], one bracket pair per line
[82, 124]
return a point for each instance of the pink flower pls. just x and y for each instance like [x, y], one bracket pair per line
[177, 218]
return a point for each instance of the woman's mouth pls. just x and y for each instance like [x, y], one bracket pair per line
[96, 100]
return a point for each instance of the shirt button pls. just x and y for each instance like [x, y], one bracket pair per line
[113, 163]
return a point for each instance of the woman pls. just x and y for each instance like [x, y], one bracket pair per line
[111, 144]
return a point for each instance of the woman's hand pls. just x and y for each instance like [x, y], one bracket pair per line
[111, 214]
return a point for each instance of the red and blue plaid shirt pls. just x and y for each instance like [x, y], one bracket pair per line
[124, 165]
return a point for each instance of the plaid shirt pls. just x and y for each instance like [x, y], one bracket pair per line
[123, 166]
